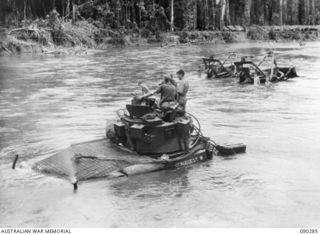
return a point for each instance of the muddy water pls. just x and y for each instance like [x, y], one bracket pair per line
[48, 103]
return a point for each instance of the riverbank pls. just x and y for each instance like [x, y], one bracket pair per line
[55, 37]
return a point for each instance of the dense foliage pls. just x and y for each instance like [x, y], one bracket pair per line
[50, 26]
[156, 14]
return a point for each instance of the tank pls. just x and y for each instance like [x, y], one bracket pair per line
[145, 129]
[143, 139]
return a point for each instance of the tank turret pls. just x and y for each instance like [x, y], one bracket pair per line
[144, 128]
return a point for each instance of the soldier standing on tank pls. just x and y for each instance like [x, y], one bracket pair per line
[183, 88]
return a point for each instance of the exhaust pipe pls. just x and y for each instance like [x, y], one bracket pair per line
[15, 161]
[141, 168]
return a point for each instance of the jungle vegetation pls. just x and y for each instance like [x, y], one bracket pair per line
[44, 25]
[166, 15]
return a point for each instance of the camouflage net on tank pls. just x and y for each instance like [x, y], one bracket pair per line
[94, 159]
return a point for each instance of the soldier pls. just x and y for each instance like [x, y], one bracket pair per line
[183, 88]
[168, 94]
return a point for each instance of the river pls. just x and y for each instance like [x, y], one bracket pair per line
[50, 102]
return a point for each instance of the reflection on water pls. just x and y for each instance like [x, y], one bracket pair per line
[48, 103]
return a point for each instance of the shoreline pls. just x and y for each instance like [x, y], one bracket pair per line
[36, 40]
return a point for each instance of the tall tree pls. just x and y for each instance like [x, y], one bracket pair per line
[284, 12]
[172, 14]
[227, 12]
[24, 11]
[206, 14]
[307, 10]
[313, 12]
[281, 12]
[247, 12]
[195, 15]
[68, 8]
[222, 13]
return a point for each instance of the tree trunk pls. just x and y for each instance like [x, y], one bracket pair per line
[63, 8]
[313, 12]
[247, 12]
[74, 9]
[227, 12]
[210, 15]
[172, 14]
[306, 11]
[139, 15]
[281, 12]
[68, 8]
[214, 14]
[206, 15]
[222, 13]
[295, 12]
[25, 12]
[284, 12]
[195, 14]
[133, 12]
[125, 13]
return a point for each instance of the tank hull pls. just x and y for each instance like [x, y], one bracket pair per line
[198, 153]
[104, 159]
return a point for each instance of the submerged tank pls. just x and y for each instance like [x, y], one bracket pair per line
[143, 139]
[217, 68]
[170, 136]
[244, 68]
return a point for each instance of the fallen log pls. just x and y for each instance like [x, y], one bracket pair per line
[21, 29]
